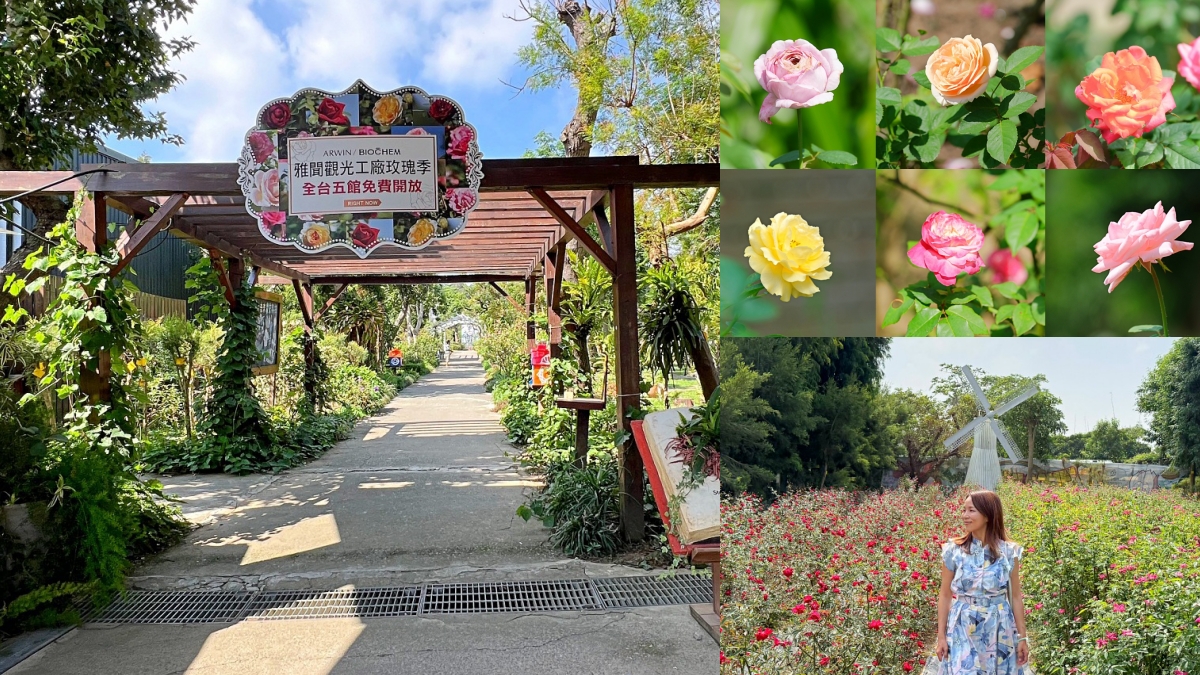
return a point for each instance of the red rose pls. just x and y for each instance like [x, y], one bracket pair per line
[440, 109]
[332, 112]
[261, 146]
[364, 235]
[787, 572]
[762, 634]
[273, 222]
[277, 115]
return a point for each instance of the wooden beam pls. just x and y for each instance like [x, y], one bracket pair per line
[554, 273]
[214, 258]
[91, 230]
[329, 303]
[506, 296]
[553, 208]
[499, 175]
[305, 298]
[602, 224]
[128, 245]
[625, 328]
[404, 279]
[213, 242]
[530, 307]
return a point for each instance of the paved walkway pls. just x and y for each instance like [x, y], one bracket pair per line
[421, 492]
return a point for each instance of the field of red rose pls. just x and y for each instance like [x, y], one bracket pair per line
[835, 582]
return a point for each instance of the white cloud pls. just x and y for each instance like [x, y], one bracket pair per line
[236, 67]
[239, 63]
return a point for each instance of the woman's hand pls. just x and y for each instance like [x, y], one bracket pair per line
[943, 648]
[1022, 652]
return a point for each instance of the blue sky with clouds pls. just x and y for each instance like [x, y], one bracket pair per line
[1093, 376]
[249, 52]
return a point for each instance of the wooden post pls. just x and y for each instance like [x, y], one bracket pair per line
[554, 264]
[581, 436]
[530, 301]
[305, 296]
[629, 375]
[91, 230]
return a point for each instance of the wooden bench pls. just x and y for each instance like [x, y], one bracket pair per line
[583, 408]
[698, 553]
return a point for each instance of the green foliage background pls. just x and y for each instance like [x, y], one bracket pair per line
[847, 123]
[1080, 205]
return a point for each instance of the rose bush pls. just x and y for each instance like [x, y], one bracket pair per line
[825, 582]
[979, 103]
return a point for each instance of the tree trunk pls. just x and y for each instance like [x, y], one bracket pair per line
[585, 359]
[706, 367]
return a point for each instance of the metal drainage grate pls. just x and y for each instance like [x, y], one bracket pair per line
[174, 607]
[510, 596]
[678, 589]
[366, 602]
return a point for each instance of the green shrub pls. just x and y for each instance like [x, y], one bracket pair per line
[1146, 458]
[360, 390]
[581, 506]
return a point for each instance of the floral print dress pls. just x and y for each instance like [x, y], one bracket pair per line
[981, 628]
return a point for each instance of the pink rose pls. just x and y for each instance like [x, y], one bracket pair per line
[1007, 267]
[262, 146]
[949, 247]
[417, 131]
[1148, 237]
[265, 191]
[1189, 63]
[460, 142]
[363, 131]
[273, 222]
[796, 75]
[460, 200]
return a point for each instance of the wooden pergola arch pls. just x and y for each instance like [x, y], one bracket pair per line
[528, 210]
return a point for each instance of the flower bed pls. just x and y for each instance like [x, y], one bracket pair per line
[840, 582]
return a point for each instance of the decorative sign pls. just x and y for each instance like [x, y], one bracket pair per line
[395, 359]
[360, 169]
[270, 324]
[540, 358]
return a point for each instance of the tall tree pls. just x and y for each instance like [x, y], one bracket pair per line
[1157, 395]
[1108, 441]
[1186, 404]
[75, 71]
[917, 424]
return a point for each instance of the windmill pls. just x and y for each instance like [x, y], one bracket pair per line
[984, 469]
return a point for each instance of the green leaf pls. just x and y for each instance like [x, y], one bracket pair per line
[1146, 329]
[887, 39]
[929, 148]
[1001, 140]
[901, 67]
[1039, 310]
[1009, 290]
[1017, 103]
[921, 78]
[919, 47]
[887, 95]
[923, 322]
[1151, 154]
[524, 512]
[837, 157]
[984, 296]
[1023, 319]
[964, 318]
[1020, 230]
[944, 328]
[1021, 58]
[1182, 156]
[786, 157]
[894, 312]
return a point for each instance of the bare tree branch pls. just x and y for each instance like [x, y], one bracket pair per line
[696, 218]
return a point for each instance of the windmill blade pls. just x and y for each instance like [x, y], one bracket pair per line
[956, 439]
[1017, 400]
[1009, 446]
[980, 399]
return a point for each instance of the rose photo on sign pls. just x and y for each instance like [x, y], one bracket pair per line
[360, 169]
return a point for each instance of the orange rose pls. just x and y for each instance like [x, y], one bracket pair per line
[960, 69]
[1127, 95]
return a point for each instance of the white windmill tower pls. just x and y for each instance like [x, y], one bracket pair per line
[984, 469]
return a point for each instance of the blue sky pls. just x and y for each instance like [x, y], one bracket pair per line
[249, 52]
[1092, 376]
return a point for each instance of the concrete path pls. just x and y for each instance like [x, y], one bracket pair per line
[421, 492]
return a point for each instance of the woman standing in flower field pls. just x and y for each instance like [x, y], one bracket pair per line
[982, 628]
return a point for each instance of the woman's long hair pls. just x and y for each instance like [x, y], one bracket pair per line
[988, 505]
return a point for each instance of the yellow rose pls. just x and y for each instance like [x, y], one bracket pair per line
[788, 255]
[314, 235]
[420, 233]
[960, 69]
[387, 109]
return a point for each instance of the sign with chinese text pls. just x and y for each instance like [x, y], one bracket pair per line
[360, 169]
